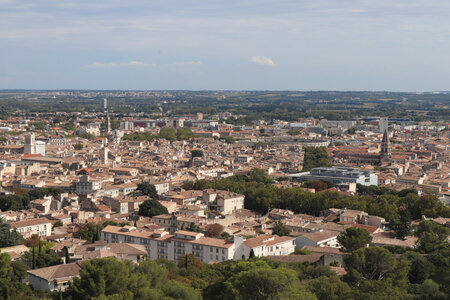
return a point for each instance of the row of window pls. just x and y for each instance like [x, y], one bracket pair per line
[163, 246]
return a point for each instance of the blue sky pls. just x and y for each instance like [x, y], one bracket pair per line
[392, 45]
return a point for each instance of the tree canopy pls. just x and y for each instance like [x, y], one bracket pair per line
[196, 153]
[280, 229]
[8, 237]
[114, 279]
[353, 239]
[315, 157]
[150, 208]
[167, 133]
[147, 189]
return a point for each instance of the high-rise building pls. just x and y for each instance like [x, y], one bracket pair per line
[29, 147]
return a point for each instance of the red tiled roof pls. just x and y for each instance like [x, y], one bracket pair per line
[370, 229]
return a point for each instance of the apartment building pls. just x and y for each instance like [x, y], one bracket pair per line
[162, 244]
[28, 227]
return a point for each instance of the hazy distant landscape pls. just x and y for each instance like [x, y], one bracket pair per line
[250, 105]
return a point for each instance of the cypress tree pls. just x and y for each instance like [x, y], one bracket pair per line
[34, 259]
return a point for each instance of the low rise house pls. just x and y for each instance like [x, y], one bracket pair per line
[266, 245]
[53, 278]
[99, 249]
[223, 201]
[321, 238]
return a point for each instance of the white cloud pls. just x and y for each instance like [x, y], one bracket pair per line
[262, 60]
[119, 65]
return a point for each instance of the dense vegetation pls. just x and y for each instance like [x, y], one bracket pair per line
[372, 273]
[92, 232]
[151, 208]
[22, 198]
[8, 237]
[315, 157]
[260, 196]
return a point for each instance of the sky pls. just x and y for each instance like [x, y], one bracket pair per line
[382, 45]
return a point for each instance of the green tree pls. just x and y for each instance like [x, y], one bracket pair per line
[194, 228]
[353, 239]
[141, 136]
[109, 278]
[196, 153]
[11, 286]
[184, 134]
[230, 140]
[280, 229]
[432, 237]
[258, 175]
[403, 227]
[78, 146]
[167, 133]
[177, 290]
[420, 268]
[147, 189]
[267, 283]
[45, 257]
[190, 261]
[315, 157]
[430, 290]
[329, 288]
[150, 208]
[8, 237]
[373, 263]
[89, 231]
[98, 277]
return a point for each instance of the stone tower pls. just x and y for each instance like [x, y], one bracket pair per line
[29, 147]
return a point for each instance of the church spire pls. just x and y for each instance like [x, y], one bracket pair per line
[385, 145]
